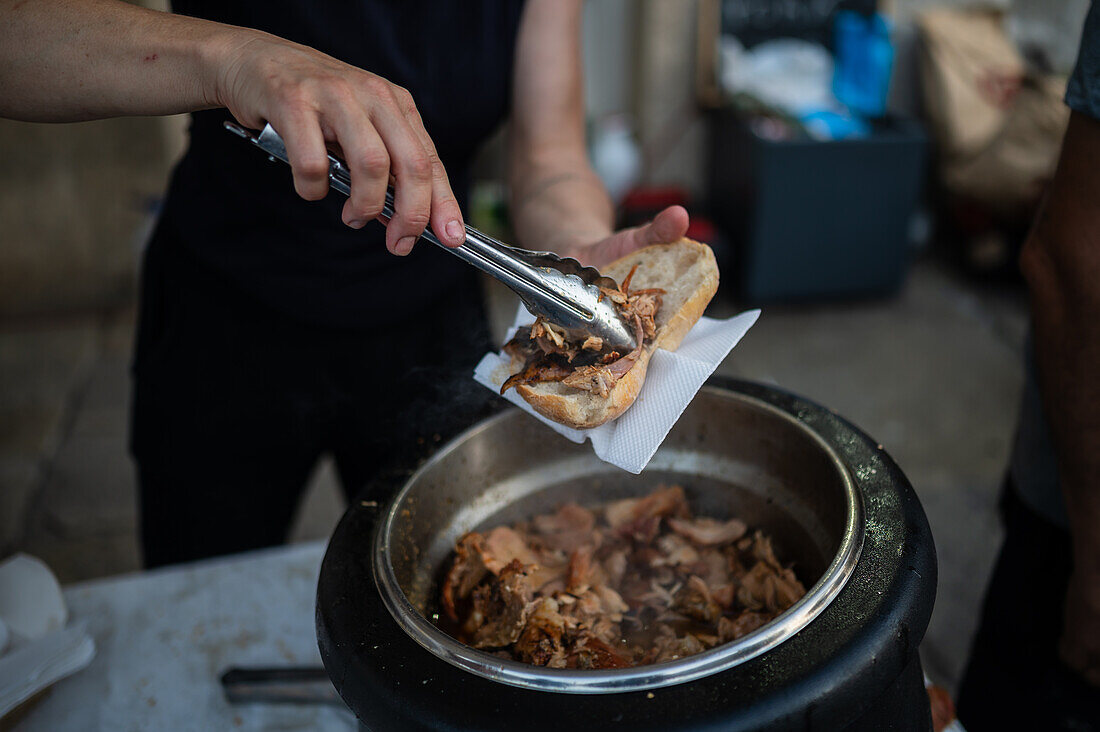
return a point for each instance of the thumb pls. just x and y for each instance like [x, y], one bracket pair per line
[668, 226]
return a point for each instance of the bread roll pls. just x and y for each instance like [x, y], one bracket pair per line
[688, 274]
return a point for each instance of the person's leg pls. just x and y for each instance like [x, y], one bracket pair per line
[409, 388]
[1014, 679]
[224, 428]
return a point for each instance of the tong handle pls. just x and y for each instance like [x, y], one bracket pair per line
[291, 685]
[493, 257]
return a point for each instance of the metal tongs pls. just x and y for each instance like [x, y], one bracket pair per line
[559, 289]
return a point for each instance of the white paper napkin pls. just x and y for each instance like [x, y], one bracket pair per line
[39, 663]
[31, 603]
[42, 649]
[671, 383]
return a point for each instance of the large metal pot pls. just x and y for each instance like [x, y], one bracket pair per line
[736, 456]
[834, 502]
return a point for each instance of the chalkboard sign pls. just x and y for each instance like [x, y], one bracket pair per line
[754, 21]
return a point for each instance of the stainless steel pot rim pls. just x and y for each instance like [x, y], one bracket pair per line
[639, 678]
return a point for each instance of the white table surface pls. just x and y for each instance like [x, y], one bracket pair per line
[164, 637]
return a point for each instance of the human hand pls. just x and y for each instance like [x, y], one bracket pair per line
[668, 226]
[311, 100]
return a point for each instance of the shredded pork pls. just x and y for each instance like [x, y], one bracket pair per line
[631, 582]
[545, 351]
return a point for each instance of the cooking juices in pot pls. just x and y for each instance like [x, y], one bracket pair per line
[627, 583]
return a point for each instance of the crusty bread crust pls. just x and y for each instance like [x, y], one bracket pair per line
[686, 270]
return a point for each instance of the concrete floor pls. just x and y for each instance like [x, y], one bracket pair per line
[933, 374]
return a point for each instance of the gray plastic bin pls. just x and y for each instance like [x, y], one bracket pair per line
[811, 219]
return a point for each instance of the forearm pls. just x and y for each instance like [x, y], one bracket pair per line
[1061, 261]
[1067, 348]
[71, 60]
[559, 203]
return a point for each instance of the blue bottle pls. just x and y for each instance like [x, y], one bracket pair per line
[864, 60]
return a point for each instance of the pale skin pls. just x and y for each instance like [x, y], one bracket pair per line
[1061, 261]
[71, 60]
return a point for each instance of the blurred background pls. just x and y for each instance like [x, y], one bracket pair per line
[864, 171]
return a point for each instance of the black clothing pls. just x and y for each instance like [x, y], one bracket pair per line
[238, 213]
[234, 403]
[1014, 678]
[269, 333]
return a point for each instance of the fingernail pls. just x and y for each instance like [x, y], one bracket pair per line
[404, 246]
[357, 223]
[455, 230]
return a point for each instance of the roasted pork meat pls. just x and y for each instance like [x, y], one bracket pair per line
[545, 352]
[631, 582]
